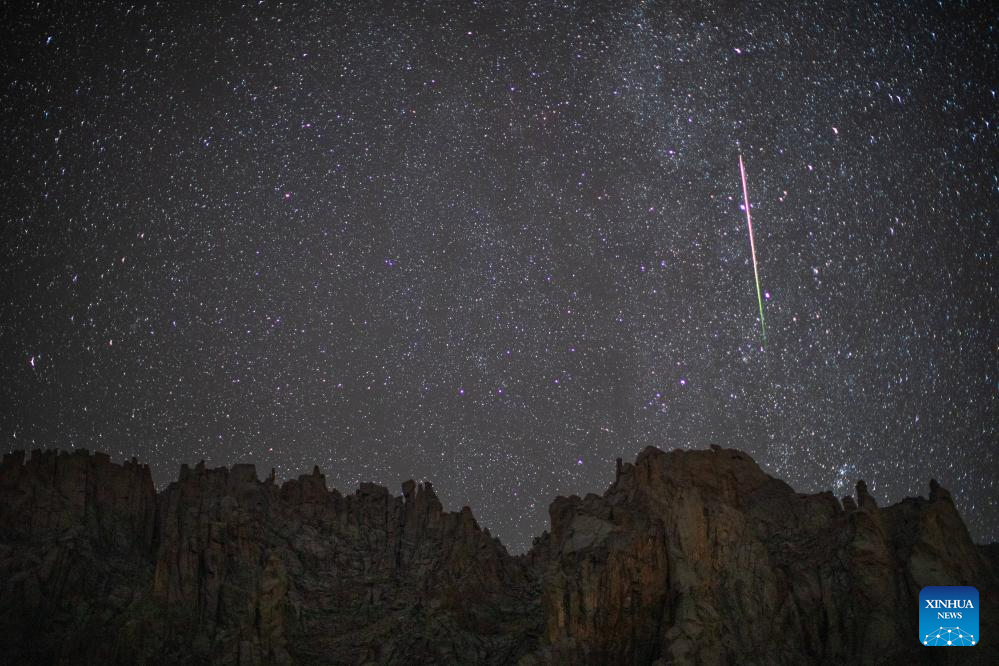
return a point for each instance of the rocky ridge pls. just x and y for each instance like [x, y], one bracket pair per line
[690, 557]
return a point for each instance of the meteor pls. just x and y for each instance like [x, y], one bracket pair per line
[752, 246]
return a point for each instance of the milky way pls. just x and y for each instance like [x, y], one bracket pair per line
[498, 245]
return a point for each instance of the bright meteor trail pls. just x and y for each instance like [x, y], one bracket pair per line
[752, 246]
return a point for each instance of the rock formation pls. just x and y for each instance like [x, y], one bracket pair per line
[220, 568]
[698, 557]
[690, 557]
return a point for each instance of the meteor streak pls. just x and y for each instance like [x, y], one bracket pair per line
[752, 246]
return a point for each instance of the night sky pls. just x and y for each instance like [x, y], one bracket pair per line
[497, 245]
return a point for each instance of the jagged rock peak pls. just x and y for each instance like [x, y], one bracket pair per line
[938, 492]
[701, 557]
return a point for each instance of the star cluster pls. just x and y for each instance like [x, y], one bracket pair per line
[499, 244]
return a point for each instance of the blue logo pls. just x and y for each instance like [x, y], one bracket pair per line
[948, 616]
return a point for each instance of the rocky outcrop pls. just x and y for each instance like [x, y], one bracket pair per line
[221, 568]
[698, 557]
[690, 557]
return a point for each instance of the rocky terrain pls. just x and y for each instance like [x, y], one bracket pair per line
[690, 557]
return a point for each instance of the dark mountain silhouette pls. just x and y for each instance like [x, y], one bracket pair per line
[690, 557]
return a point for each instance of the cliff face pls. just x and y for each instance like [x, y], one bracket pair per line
[699, 557]
[690, 557]
[75, 533]
[221, 568]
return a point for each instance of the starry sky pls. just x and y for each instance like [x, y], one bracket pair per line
[497, 245]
